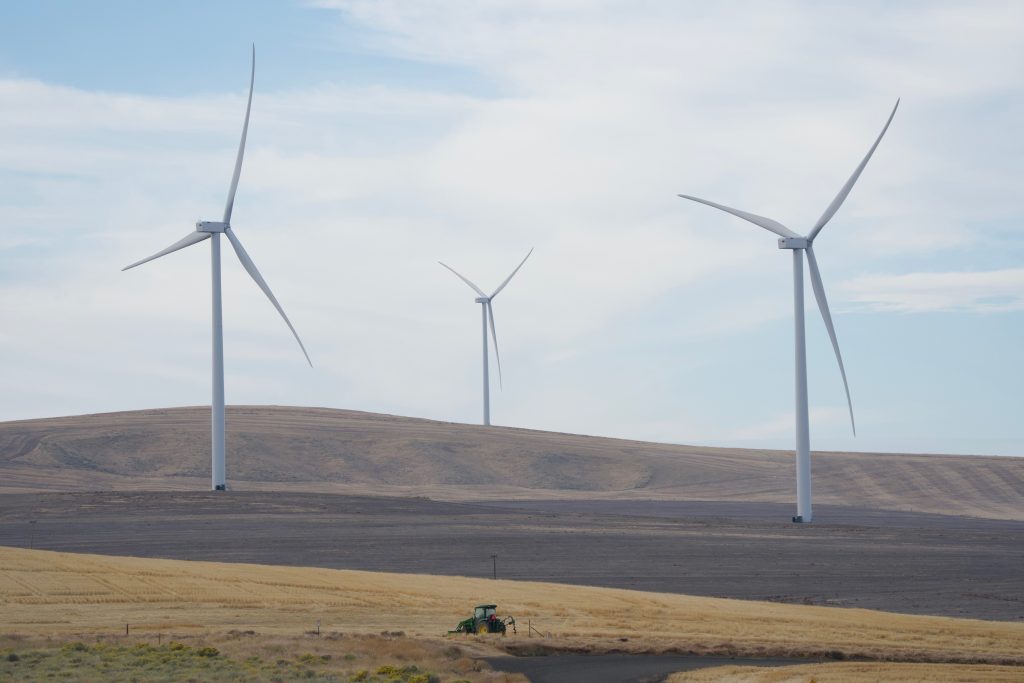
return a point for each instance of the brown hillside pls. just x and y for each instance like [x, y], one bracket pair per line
[318, 449]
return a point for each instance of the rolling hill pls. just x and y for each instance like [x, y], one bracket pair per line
[324, 450]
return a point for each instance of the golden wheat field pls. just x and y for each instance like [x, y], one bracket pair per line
[853, 672]
[49, 593]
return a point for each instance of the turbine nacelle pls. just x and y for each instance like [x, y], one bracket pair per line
[211, 226]
[482, 300]
[794, 243]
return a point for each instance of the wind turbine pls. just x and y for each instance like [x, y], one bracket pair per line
[791, 240]
[212, 230]
[488, 319]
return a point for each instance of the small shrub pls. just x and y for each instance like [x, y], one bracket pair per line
[13, 657]
[363, 675]
[178, 647]
[207, 652]
[388, 670]
[350, 657]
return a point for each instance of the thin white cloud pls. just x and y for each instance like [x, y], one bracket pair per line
[980, 292]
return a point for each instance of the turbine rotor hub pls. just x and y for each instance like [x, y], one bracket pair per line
[482, 299]
[211, 226]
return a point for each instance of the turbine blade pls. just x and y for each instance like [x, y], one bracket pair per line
[494, 336]
[819, 294]
[250, 268]
[502, 285]
[241, 144]
[766, 223]
[841, 197]
[466, 280]
[187, 241]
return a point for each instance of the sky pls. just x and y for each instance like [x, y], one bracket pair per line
[386, 136]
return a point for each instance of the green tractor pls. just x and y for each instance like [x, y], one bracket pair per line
[484, 620]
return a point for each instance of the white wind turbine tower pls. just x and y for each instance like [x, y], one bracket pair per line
[790, 240]
[488, 318]
[212, 231]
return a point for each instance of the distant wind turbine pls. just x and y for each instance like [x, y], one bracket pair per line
[790, 240]
[488, 318]
[212, 231]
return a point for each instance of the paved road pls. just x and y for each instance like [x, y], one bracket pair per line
[615, 668]
[901, 562]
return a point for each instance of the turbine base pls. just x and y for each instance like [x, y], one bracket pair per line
[798, 519]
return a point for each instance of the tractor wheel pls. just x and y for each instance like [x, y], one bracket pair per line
[482, 628]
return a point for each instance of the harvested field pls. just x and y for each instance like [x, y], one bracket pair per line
[48, 593]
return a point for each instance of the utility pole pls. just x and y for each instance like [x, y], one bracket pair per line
[494, 561]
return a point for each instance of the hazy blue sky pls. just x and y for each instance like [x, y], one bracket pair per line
[388, 135]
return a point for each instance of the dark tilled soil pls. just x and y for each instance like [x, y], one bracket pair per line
[901, 562]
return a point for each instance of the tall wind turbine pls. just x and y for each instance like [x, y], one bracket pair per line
[791, 240]
[488, 319]
[212, 230]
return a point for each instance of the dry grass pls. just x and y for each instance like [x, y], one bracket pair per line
[47, 593]
[850, 672]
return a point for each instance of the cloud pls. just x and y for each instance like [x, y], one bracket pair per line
[593, 117]
[977, 292]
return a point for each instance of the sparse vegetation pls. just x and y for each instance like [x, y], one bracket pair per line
[78, 661]
[259, 658]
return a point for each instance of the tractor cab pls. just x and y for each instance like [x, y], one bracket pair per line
[485, 612]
